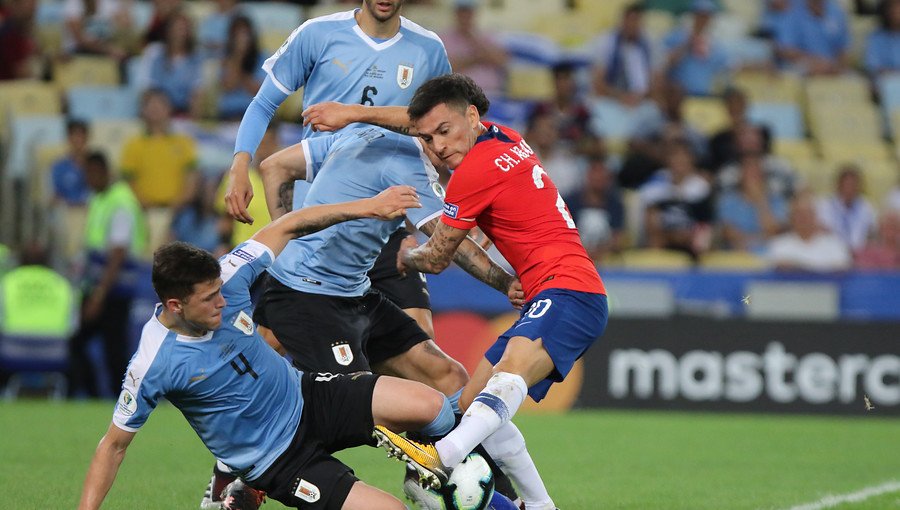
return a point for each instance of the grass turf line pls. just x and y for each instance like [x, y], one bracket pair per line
[589, 459]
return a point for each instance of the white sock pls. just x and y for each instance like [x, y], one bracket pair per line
[507, 447]
[494, 406]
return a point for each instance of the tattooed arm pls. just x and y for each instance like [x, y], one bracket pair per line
[447, 243]
[389, 204]
[331, 116]
[278, 173]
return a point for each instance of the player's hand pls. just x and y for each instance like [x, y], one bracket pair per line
[408, 243]
[516, 294]
[393, 202]
[328, 116]
[239, 192]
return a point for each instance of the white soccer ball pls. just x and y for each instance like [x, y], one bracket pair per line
[471, 487]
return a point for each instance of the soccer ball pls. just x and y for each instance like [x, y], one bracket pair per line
[471, 487]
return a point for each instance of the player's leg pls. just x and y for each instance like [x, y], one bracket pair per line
[366, 497]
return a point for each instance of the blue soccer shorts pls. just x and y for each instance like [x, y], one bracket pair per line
[567, 321]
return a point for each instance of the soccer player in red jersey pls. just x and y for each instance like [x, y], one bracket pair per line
[499, 185]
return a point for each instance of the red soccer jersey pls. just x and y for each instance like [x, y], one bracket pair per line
[501, 187]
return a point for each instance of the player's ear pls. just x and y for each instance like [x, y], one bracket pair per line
[472, 116]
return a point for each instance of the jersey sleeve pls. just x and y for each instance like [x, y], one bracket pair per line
[142, 388]
[293, 62]
[425, 180]
[315, 150]
[467, 196]
[240, 268]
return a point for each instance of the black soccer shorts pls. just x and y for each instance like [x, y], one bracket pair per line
[337, 414]
[408, 291]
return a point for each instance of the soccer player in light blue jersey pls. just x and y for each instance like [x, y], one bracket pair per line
[274, 425]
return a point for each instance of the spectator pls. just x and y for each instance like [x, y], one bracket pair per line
[847, 213]
[883, 45]
[892, 201]
[750, 140]
[214, 28]
[723, 145]
[815, 38]
[884, 251]
[475, 54]
[598, 211]
[175, 66]
[806, 246]
[774, 18]
[573, 117]
[696, 61]
[241, 69]
[159, 165]
[623, 67]
[19, 52]
[163, 11]
[752, 214]
[561, 162]
[648, 149]
[677, 205]
[99, 27]
[67, 173]
[197, 223]
[115, 236]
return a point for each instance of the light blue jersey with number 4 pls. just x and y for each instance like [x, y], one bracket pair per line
[238, 394]
[334, 60]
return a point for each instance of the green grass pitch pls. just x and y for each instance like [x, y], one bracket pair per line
[589, 459]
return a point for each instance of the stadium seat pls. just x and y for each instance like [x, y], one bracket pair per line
[27, 133]
[722, 260]
[658, 23]
[862, 151]
[85, 70]
[815, 175]
[750, 51]
[838, 90]
[763, 87]
[610, 119]
[26, 97]
[110, 135]
[889, 93]
[706, 114]
[845, 123]
[102, 102]
[743, 9]
[784, 120]
[880, 177]
[652, 259]
[860, 28]
[199, 10]
[794, 150]
[275, 16]
[529, 82]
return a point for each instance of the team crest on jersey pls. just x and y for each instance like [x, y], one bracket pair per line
[342, 353]
[127, 404]
[307, 491]
[244, 323]
[451, 210]
[404, 76]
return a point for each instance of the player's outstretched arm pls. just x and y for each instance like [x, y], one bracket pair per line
[278, 173]
[466, 252]
[390, 204]
[331, 116]
[104, 467]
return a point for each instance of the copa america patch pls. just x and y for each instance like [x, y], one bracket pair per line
[307, 492]
[342, 353]
[127, 404]
[451, 210]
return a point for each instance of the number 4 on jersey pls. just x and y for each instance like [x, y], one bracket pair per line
[537, 174]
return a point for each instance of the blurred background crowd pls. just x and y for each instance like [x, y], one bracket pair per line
[745, 134]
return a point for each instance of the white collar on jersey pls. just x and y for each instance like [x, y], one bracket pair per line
[178, 336]
[377, 46]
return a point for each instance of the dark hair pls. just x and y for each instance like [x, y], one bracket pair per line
[634, 7]
[178, 266]
[98, 158]
[250, 59]
[76, 124]
[454, 90]
[884, 9]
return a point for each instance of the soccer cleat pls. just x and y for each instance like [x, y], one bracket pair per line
[208, 502]
[422, 456]
[240, 496]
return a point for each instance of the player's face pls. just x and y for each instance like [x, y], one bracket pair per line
[202, 310]
[449, 132]
[383, 10]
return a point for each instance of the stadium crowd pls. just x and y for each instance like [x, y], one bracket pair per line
[758, 133]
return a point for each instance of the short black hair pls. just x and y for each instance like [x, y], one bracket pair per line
[455, 90]
[98, 158]
[178, 266]
[76, 124]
